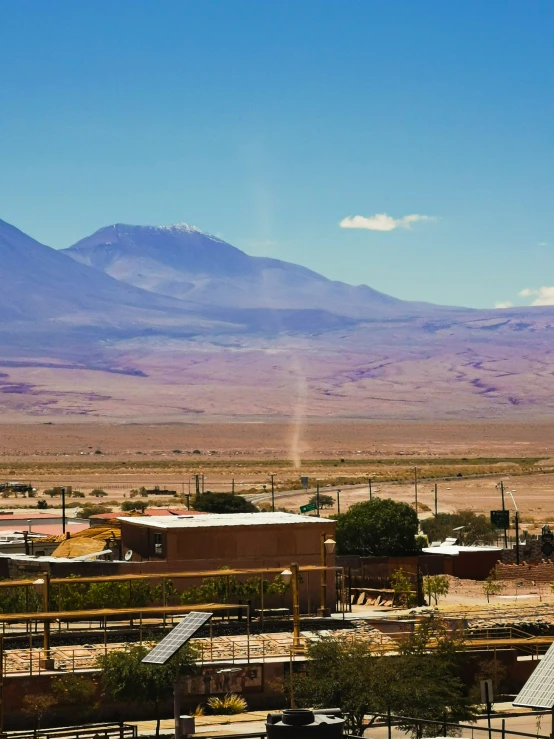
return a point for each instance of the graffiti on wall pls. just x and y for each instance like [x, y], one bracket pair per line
[213, 680]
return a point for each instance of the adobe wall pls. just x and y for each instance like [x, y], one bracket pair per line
[542, 572]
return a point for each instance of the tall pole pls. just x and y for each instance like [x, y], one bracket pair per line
[517, 537]
[63, 509]
[370, 491]
[1, 686]
[415, 490]
[295, 606]
[504, 508]
[436, 499]
[338, 502]
[323, 582]
[272, 493]
[177, 699]
[233, 486]
[317, 497]
[46, 608]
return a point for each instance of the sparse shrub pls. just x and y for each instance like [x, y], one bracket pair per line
[229, 705]
[196, 451]
[99, 493]
[134, 505]
[99, 451]
[91, 509]
[325, 501]
[491, 586]
[434, 586]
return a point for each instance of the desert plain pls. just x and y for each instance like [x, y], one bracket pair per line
[465, 460]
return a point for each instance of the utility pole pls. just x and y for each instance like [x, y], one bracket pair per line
[338, 502]
[197, 485]
[317, 498]
[272, 493]
[511, 494]
[504, 508]
[233, 486]
[63, 509]
[369, 485]
[436, 500]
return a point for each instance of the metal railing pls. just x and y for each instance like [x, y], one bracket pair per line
[83, 731]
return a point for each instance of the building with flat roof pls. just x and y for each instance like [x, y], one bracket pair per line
[237, 540]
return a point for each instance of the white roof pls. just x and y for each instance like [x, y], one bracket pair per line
[454, 549]
[221, 519]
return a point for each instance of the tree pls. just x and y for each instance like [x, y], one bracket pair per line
[75, 690]
[491, 586]
[134, 505]
[434, 586]
[402, 587]
[339, 673]
[98, 493]
[418, 683]
[379, 527]
[125, 678]
[223, 503]
[477, 528]
[325, 501]
[36, 705]
[92, 509]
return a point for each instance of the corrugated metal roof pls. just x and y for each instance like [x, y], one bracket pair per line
[224, 519]
[455, 549]
[148, 512]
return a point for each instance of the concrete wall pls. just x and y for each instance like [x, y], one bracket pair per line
[262, 696]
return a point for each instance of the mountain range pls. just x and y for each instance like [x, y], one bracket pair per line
[141, 322]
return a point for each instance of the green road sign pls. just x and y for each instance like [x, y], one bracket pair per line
[308, 507]
[500, 519]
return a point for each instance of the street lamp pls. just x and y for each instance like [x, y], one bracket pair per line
[290, 577]
[42, 586]
[328, 546]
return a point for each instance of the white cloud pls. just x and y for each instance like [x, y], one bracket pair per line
[544, 295]
[383, 222]
[504, 304]
[542, 243]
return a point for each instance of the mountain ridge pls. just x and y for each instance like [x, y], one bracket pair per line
[184, 262]
[260, 337]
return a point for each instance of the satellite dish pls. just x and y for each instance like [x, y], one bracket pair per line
[128, 555]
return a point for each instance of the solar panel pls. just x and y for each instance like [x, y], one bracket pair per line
[178, 636]
[538, 691]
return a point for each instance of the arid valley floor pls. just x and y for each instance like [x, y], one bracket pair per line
[465, 460]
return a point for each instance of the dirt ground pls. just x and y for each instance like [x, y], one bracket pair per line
[281, 439]
[466, 461]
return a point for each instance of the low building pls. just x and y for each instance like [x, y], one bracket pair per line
[191, 543]
[101, 518]
[465, 562]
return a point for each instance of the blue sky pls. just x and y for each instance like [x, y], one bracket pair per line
[270, 123]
